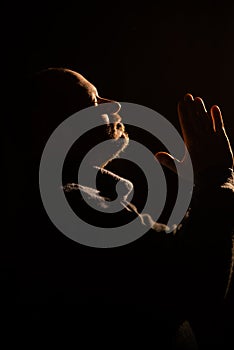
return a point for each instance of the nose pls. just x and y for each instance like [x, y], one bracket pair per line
[112, 107]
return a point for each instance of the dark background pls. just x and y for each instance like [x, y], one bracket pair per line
[150, 54]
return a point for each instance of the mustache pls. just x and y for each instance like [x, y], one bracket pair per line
[116, 130]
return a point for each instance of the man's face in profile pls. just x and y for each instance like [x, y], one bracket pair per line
[108, 111]
[108, 108]
[61, 93]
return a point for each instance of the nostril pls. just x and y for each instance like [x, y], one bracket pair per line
[102, 100]
[110, 105]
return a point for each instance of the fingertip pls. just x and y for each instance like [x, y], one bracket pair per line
[216, 109]
[198, 99]
[188, 97]
[199, 102]
[217, 117]
[166, 160]
[160, 155]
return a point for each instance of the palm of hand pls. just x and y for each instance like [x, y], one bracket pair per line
[204, 136]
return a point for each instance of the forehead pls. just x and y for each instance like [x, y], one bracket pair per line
[86, 85]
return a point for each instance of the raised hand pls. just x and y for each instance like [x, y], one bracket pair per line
[204, 136]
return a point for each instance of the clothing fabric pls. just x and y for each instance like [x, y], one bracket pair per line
[163, 289]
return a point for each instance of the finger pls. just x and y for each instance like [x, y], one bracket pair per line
[206, 122]
[185, 116]
[167, 160]
[192, 113]
[200, 105]
[217, 118]
[188, 97]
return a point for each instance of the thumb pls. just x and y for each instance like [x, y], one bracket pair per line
[167, 160]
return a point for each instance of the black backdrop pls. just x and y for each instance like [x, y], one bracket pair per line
[150, 54]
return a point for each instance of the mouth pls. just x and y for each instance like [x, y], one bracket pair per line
[118, 130]
[115, 129]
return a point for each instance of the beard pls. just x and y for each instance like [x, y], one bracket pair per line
[116, 132]
[97, 148]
